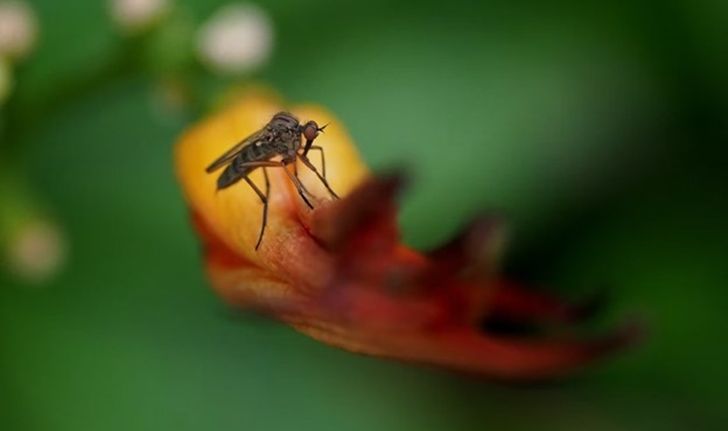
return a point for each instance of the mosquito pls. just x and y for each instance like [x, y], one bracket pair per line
[281, 137]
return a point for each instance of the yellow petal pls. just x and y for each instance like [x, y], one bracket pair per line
[235, 214]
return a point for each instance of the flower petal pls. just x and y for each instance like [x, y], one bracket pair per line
[340, 274]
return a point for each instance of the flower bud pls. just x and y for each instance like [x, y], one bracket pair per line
[236, 39]
[36, 251]
[134, 16]
[18, 29]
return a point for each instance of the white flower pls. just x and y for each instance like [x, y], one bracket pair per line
[37, 251]
[6, 80]
[137, 15]
[236, 39]
[18, 29]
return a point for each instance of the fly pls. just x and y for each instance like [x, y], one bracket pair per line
[280, 137]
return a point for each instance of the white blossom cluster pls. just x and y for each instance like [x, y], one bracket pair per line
[18, 36]
[236, 39]
[134, 16]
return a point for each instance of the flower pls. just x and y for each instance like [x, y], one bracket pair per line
[18, 29]
[236, 39]
[37, 251]
[339, 274]
[33, 247]
[134, 16]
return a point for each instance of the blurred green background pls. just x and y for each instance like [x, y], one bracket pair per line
[598, 128]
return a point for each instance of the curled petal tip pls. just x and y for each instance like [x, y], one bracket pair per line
[477, 248]
[588, 306]
[632, 332]
[367, 210]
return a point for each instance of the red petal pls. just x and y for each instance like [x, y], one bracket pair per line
[387, 300]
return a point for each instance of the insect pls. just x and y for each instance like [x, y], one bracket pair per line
[281, 137]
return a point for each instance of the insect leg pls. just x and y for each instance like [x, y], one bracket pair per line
[265, 208]
[315, 171]
[323, 159]
[282, 164]
[267, 183]
[299, 185]
[264, 200]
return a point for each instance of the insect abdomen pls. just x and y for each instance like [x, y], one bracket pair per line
[235, 171]
[228, 177]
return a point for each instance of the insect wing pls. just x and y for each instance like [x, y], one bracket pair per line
[232, 152]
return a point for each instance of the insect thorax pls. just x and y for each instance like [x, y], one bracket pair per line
[280, 141]
[284, 137]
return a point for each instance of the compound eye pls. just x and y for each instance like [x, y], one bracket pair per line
[310, 131]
